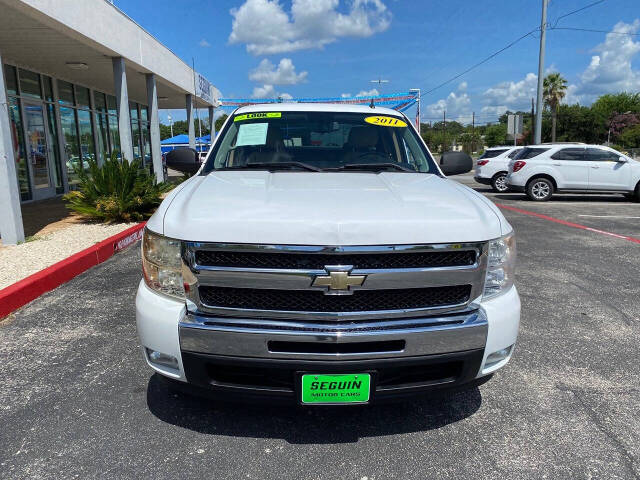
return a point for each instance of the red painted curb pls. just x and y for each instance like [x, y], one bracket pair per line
[22, 292]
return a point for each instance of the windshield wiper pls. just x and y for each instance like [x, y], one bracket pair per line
[275, 166]
[373, 166]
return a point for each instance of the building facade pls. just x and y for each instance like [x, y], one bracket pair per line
[72, 92]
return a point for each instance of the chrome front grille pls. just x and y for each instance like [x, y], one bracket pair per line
[308, 282]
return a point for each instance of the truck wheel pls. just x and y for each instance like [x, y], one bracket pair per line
[540, 189]
[499, 183]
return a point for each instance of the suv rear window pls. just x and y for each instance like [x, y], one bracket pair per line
[529, 153]
[492, 153]
[569, 154]
[514, 153]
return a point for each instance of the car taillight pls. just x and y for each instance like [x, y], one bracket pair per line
[482, 162]
[518, 165]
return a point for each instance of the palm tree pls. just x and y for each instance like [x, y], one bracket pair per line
[554, 90]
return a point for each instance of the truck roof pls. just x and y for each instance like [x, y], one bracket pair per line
[316, 107]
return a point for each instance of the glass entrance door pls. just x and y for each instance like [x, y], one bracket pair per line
[38, 151]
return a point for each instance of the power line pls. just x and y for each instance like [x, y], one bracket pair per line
[576, 11]
[595, 31]
[480, 62]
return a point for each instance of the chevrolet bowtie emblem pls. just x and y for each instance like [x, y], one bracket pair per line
[338, 282]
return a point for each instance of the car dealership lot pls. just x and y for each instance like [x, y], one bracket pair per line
[77, 399]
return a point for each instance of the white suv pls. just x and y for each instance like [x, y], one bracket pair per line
[542, 170]
[492, 167]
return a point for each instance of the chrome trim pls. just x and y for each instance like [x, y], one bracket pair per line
[302, 279]
[250, 338]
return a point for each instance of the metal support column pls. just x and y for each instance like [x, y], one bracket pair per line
[11, 228]
[543, 34]
[122, 100]
[190, 124]
[154, 124]
[212, 123]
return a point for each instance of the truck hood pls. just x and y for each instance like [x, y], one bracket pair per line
[306, 208]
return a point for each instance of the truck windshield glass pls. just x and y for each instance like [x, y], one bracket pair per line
[319, 141]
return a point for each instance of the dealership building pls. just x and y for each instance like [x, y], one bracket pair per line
[80, 80]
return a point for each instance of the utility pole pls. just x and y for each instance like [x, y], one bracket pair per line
[444, 129]
[543, 34]
[170, 124]
[533, 120]
[473, 131]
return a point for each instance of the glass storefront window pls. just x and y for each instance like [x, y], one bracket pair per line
[30, 84]
[101, 102]
[112, 106]
[53, 137]
[144, 113]
[103, 135]
[11, 79]
[114, 135]
[65, 93]
[133, 111]
[19, 149]
[48, 88]
[82, 97]
[146, 144]
[71, 143]
[135, 135]
[87, 148]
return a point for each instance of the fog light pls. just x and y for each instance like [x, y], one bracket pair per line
[497, 357]
[162, 359]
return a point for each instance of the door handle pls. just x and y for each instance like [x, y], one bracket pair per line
[557, 164]
[595, 167]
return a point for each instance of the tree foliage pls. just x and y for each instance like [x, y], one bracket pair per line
[496, 135]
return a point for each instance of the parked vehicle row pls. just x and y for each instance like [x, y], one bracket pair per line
[542, 170]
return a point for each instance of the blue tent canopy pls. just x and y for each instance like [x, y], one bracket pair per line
[178, 139]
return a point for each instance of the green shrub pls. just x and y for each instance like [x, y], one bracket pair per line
[115, 192]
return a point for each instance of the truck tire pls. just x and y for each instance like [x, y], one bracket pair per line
[540, 189]
[499, 182]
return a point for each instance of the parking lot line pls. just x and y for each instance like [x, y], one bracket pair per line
[569, 224]
[607, 216]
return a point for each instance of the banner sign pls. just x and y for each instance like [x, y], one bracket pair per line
[203, 88]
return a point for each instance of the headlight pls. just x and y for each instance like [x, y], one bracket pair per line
[162, 264]
[501, 265]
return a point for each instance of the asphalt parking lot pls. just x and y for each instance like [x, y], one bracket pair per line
[77, 401]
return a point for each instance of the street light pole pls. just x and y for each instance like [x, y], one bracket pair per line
[170, 124]
[543, 34]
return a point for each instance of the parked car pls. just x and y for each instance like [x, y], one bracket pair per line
[492, 167]
[321, 256]
[542, 170]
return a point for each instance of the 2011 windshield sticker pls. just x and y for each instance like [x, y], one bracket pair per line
[385, 121]
[257, 116]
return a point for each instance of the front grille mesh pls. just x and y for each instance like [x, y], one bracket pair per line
[317, 261]
[317, 301]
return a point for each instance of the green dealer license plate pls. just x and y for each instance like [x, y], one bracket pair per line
[339, 388]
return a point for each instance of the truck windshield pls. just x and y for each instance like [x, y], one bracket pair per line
[319, 141]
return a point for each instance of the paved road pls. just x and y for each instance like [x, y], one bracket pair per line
[78, 401]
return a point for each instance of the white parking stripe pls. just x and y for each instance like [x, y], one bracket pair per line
[606, 216]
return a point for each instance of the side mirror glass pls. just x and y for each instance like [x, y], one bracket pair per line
[455, 163]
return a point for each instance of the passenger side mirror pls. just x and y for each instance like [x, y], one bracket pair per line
[622, 159]
[455, 163]
[184, 160]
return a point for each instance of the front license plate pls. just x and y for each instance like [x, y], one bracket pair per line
[338, 388]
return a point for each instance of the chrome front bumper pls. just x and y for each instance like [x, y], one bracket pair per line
[327, 340]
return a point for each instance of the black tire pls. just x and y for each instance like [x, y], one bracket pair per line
[635, 196]
[540, 189]
[499, 182]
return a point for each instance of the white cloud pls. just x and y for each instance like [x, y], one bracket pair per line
[266, 28]
[284, 74]
[368, 93]
[265, 91]
[610, 70]
[513, 95]
[204, 43]
[462, 87]
[345, 95]
[269, 91]
[457, 107]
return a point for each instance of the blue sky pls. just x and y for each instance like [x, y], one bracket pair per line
[317, 48]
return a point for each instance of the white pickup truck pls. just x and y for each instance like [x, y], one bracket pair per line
[321, 256]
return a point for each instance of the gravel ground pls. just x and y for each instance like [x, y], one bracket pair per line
[20, 261]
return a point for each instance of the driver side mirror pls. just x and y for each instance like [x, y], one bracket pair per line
[455, 163]
[622, 159]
